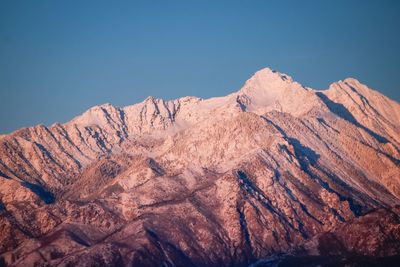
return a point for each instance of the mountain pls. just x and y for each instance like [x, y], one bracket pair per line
[276, 173]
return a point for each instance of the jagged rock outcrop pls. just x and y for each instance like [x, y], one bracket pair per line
[273, 169]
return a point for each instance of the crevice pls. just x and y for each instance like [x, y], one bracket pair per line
[247, 186]
[248, 250]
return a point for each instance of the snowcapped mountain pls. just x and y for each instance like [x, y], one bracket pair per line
[273, 168]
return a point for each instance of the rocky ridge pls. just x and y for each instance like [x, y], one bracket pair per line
[273, 168]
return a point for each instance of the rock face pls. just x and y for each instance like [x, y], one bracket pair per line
[275, 168]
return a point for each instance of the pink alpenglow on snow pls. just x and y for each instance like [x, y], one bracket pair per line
[273, 173]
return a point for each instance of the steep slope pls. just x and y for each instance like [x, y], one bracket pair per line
[273, 168]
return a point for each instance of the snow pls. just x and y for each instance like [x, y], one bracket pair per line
[294, 145]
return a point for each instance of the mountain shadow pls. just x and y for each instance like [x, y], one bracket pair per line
[44, 195]
[344, 113]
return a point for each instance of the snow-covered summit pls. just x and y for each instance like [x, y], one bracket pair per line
[202, 182]
[270, 90]
[267, 75]
[265, 91]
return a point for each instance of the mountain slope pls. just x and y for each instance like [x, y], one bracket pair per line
[193, 182]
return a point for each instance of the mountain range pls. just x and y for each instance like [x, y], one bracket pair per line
[275, 174]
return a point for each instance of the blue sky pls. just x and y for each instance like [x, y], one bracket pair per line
[58, 58]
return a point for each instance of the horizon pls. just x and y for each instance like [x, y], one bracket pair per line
[216, 96]
[61, 58]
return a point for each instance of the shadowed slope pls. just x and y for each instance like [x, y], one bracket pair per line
[272, 169]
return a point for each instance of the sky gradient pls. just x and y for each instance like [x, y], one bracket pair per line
[58, 58]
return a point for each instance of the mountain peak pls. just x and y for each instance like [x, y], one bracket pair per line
[269, 89]
[347, 81]
[270, 75]
[268, 80]
[149, 99]
[273, 168]
[352, 80]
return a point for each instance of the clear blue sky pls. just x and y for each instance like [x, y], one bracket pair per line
[58, 58]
